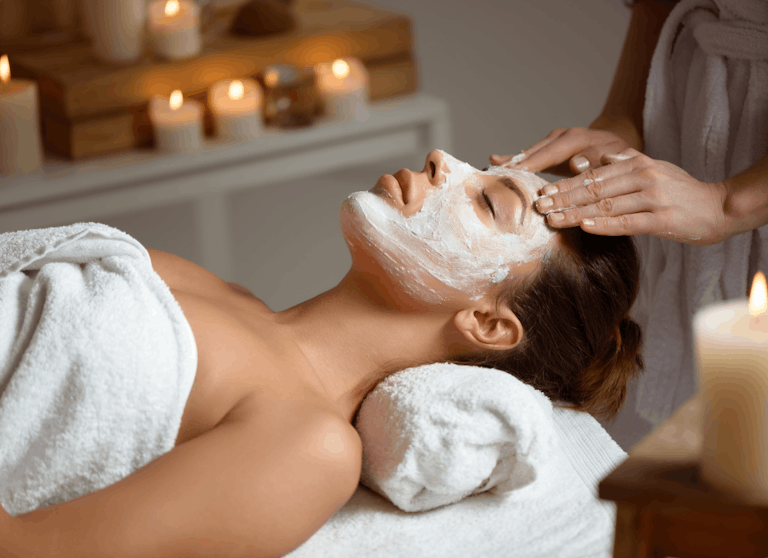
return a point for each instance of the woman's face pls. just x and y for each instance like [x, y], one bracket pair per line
[449, 231]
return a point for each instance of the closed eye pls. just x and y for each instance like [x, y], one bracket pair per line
[487, 203]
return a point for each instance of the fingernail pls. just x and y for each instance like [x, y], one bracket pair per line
[550, 189]
[587, 222]
[581, 163]
[545, 202]
[556, 217]
[517, 158]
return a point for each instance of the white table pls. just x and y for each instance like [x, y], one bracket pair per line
[68, 192]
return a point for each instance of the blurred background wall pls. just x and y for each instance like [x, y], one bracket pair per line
[511, 71]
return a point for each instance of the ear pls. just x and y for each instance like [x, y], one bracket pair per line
[488, 329]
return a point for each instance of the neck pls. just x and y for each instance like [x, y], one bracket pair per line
[353, 338]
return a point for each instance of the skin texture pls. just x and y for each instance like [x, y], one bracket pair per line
[266, 452]
[624, 192]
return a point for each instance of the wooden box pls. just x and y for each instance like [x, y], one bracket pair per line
[89, 108]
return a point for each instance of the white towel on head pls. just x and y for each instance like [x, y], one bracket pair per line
[435, 434]
[448, 428]
[706, 110]
[96, 363]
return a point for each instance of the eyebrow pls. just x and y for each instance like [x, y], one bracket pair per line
[512, 185]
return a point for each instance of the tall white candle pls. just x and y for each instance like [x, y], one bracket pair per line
[732, 357]
[117, 29]
[178, 123]
[20, 147]
[343, 86]
[236, 106]
[174, 26]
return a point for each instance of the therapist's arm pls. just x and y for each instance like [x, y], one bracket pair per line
[623, 109]
[620, 123]
[746, 201]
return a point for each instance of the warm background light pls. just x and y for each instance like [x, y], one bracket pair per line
[5, 70]
[177, 99]
[272, 78]
[172, 8]
[758, 296]
[236, 90]
[340, 69]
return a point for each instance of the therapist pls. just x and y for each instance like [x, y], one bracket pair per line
[678, 156]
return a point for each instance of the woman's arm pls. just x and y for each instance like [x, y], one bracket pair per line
[746, 202]
[252, 488]
[623, 109]
[620, 124]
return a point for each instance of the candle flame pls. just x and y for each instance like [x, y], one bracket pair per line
[5, 70]
[172, 8]
[758, 296]
[177, 99]
[340, 69]
[236, 90]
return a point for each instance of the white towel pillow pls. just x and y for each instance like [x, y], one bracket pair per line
[435, 434]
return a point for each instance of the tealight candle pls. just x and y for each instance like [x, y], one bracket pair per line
[732, 357]
[343, 85]
[178, 123]
[117, 29]
[20, 148]
[236, 106]
[175, 28]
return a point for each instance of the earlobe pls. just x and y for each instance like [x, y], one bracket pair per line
[488, 329]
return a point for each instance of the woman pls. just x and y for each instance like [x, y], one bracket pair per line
[679, 158]
[447, 264]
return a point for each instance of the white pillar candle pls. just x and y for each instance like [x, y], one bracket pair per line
[732, 358]
[20, 148]
[236, 106]
[174, 27]
[117, 29]
[178, 123]
[343, 86]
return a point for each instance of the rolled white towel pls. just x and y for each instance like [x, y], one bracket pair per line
[435, 434]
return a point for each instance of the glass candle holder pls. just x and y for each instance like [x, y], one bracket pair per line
[289, 96]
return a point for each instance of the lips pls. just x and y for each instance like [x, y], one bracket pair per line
[391, 186]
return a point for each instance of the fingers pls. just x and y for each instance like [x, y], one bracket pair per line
[557, 148]
[521, 160]
[589, 187]
[623, 225]
[611, 158]
[613, 207]
[598, 156]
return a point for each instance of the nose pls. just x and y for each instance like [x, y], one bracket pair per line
[433, 167]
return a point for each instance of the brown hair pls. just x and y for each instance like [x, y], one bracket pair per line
[579, 344]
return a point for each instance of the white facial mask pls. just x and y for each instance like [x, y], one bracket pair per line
[445, 239]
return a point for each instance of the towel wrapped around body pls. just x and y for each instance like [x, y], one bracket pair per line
[96, 363]
[706, 110]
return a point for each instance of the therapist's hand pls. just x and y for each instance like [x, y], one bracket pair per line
[634, 194]
[570, 151]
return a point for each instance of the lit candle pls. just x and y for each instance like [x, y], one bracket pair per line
[732, 357]
[117, 29]
[175, 28]
[343, 86]
[20, 148]
[178, 123]
[236, 106]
